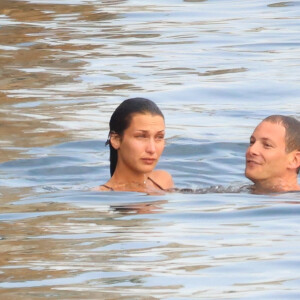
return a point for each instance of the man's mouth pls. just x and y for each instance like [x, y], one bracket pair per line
[252, 161]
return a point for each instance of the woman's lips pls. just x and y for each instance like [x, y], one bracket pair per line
[148, 161]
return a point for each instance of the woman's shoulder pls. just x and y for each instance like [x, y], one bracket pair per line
[163, 178]
[102, 188]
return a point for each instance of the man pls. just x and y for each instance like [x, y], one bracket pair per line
[273, 156]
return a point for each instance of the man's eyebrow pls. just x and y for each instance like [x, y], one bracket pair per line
[265, 139]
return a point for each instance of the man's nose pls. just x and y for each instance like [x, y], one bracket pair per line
[253, 149]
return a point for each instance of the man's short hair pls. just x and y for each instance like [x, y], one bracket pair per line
[292, 131]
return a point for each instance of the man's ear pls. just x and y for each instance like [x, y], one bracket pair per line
[115, 140]
[295, 160]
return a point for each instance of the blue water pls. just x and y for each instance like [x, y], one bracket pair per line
[215, 68]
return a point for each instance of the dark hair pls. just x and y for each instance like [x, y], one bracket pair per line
[292, 131]
[121, 118]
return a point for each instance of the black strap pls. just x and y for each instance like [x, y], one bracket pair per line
[108, 187]
[155, 183]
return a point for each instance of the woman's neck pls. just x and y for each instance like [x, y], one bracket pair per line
[125, 179]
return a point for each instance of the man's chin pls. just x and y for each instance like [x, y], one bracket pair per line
[250, 176]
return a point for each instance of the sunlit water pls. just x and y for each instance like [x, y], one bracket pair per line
[215, 68]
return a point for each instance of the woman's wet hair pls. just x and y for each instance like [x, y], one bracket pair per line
[121, 118]
[292, 131]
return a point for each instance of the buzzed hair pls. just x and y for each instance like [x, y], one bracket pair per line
[292, 131]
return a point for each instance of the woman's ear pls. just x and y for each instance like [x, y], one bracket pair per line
[115, 140]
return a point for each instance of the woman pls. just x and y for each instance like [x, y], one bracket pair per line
[136, 142]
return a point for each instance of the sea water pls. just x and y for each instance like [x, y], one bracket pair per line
[215, 68]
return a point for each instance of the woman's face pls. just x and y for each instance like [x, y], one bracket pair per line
[142, 143]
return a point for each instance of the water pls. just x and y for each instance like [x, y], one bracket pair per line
[215, 68]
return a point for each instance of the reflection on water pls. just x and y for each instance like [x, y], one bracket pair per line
[94, 243]
[60, 63]
[216, 68]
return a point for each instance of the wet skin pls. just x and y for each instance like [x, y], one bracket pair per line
[139, 149]
[267, 162]
[141, 145]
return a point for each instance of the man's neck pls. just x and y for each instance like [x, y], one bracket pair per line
[276, 185]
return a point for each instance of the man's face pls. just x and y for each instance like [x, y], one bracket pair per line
[266, 157]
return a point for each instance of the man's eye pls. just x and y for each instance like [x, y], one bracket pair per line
[251, 142]
[266, 145]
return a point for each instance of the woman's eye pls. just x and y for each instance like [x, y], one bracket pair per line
[160, 137]
[141, 136]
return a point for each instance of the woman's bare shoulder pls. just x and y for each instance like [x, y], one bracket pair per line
[102, 188]
[163, 178]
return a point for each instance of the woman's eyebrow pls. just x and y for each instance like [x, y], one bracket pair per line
[143, 130]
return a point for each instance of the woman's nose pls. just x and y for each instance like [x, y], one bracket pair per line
[150, 146]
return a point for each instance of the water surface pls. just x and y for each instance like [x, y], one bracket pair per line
[215, 68]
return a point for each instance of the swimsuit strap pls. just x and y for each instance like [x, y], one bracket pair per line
[155, 183]
[108, 187]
